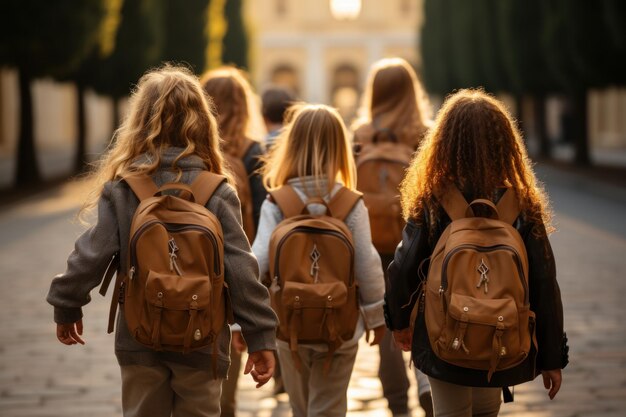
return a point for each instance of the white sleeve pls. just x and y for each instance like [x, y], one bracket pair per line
[368, 267]
[268, 220]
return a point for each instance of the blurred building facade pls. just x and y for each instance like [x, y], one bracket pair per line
[320, 48]
[323, 48]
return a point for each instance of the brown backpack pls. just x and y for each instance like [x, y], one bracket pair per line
[173, 291]
[313, 289]
[381, 166]
[476, 299]
[242, 183]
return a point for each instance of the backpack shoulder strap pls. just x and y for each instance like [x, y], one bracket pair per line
[204, 185]
[343, 202]
[508, 207]
[288, 201]
[452, 201]
[141, 184]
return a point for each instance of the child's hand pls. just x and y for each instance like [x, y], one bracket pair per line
[261, 366]
[238, 342]
[379, 332]
[552, 381]
[69, 333]
[402, 338]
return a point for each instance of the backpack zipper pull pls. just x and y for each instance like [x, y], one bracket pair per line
[484, 279]
[173, 249]
[131, 273]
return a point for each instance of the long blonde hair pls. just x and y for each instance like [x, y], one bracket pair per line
[313, 143]
[476, 145]
[236, 104]
[168, 108]
[395, 101]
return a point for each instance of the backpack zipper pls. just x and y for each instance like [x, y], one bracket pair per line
[444, 272]
[338, 235]
[171, 227]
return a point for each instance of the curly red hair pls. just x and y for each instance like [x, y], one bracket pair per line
[476, 145]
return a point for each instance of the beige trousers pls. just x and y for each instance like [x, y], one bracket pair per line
[228, 402]
[451, 400]
[169, 389]
[313, 393]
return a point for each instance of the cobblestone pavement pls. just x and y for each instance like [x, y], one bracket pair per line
[41, 377]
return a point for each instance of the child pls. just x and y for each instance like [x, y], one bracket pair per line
[237, 111]
[475, 146]
[235, 104]
[171, 135]
[274, 103]
[395, 109]
[313, 156]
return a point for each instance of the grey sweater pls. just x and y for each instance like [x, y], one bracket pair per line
[94, 248]
[368, 268]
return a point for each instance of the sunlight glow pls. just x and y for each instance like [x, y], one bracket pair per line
[345, 9]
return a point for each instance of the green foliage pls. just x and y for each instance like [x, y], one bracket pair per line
[520, 38]
[48, 37]
[138, 45]
[524, 46]
[235, 42]
[435, 41]
[185, 32]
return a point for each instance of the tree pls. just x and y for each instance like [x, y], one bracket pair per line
[186, 34]
[583, 52]
[459, 46]
[137, 46]
[43, 39]
[435, 41]
[88, 72]
[235, 42]
[524, 60]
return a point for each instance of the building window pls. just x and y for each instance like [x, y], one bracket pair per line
[345, 91]
[286, 75]
[406, 7]
[281, 8]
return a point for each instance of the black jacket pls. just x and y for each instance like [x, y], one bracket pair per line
[545, 300]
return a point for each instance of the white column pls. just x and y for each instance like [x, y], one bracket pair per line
[315, 78]
[375, 51]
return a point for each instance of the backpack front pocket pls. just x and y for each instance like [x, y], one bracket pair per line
[312, 311]
[481, 333]
[177, 311]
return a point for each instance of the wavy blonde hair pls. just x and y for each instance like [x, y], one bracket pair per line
[314, 143]
[395, 100]
[236, 104]
[168, 108]
[476, 145]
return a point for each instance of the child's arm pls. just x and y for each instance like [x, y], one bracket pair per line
[261, 366]
[268, 220]
[249, 298]
[86, 266]
[402, 276]
[368, 271]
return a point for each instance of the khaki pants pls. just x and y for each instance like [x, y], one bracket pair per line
[228, 402]
[313, 393]
[169, 389]
[451, 400]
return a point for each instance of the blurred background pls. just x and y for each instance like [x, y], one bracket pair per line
[67, 67]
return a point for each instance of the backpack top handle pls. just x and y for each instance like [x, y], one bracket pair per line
[470, 212]
[339, 206]
[202, 188]
[185, 191]
[455, 205]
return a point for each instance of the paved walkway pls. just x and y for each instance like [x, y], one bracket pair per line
[41, 377]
